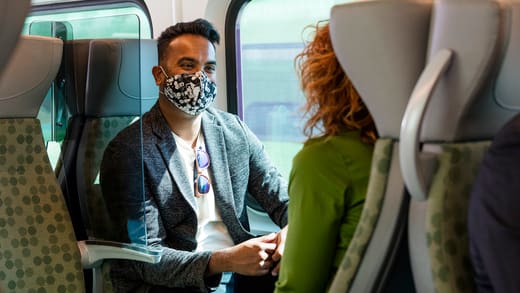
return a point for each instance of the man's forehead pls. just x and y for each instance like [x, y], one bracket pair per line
[191, 46]
[189, 42]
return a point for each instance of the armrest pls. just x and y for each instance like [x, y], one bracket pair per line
[412, 166]
[93, 252]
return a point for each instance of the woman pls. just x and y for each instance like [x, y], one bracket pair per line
[329, 176]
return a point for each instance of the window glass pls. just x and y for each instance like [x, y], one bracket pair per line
[127, 21]
[271, 33]
[99, 22]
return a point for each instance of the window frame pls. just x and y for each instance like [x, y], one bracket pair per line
[89, 5]
[233, 83]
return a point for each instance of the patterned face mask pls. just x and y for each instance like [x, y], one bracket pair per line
[190, 93]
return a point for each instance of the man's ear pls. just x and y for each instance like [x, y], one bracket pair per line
[158, 75]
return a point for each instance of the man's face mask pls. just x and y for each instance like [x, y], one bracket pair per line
[190, 93]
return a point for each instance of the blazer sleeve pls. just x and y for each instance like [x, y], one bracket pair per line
[138, 221]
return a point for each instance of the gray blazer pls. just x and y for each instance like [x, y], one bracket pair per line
[239, 165]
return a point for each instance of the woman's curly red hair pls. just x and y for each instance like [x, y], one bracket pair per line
[332, 102]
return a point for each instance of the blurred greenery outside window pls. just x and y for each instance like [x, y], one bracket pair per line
[270, 34]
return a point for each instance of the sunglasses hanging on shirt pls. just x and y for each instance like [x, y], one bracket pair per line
[202, 183]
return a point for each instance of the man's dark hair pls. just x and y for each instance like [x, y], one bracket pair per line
[199, 27]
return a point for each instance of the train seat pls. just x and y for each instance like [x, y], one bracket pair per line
[384, 72]
[119, 89]
[12, 16]
[464, 95]
[74, 72]
[37, 241]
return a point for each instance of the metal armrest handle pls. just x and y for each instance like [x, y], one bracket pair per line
[93, 252]
[413, 175]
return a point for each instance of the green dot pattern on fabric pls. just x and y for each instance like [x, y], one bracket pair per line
[447, 235]
[99, 132]
[31, 244]
[368, 219]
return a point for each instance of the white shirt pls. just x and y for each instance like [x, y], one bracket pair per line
[212, 234]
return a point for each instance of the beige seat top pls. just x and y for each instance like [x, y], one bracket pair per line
[12, 17]
[28, 76]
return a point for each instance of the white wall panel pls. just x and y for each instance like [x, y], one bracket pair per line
[167, 12]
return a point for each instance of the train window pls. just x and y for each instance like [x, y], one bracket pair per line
[269, 34]
[126, 20]
[73, 22]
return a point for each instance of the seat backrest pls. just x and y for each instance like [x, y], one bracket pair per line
[464, 95]
[113, 102]
[384, 71]
[37, 242]
[74, 72]
[12, 17]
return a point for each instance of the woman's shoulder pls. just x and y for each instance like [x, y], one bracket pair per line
[345, 147]
[349, 140]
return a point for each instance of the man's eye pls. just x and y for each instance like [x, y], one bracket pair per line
[187, 66]
[210, 68]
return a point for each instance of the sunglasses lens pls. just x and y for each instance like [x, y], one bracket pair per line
[202, 159]
[202, 184]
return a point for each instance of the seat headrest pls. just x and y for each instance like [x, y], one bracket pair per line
[75, 63]
[29, 75]
[458, 97]
[12, 17]
[119, 78]
[507, 86]
[500, 100]
[382, 45]
[469, 102]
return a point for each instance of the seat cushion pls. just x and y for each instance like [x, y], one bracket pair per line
[38, 250]
[367, 222]
[446, 225]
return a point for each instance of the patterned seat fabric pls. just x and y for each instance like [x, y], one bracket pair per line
[38, 251]
[447, 235]
[97, 134]
[369, 216]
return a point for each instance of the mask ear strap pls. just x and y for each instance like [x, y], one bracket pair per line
[164, 72]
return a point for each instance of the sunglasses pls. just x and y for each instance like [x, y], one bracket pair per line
[202, 184]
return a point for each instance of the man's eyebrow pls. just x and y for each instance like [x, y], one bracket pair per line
[213, 62]
[187, 59]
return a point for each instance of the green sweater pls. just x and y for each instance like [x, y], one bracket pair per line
[327, 188]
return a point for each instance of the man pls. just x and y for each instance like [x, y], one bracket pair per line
[493, 215]
[198, 164]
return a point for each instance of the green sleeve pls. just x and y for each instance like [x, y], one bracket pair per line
[316, 207]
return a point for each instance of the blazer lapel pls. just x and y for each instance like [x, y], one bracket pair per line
[171, 157]
[219, 167]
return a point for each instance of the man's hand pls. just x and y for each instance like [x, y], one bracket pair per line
[280, 246]
[250, 258]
